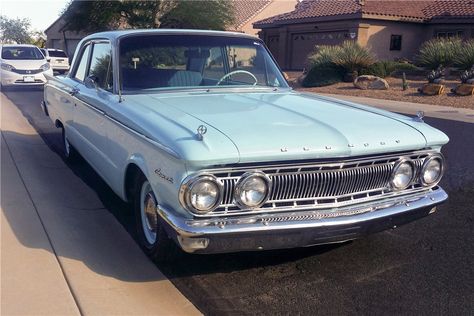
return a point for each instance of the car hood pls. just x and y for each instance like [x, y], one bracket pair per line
[25, 63]
[282, 126]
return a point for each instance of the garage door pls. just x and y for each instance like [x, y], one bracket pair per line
[302, 44]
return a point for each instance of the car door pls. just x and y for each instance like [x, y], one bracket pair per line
[93, 93]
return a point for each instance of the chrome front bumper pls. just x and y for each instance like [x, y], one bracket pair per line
[298, 229]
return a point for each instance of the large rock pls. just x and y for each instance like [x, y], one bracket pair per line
[371, 82]
[464, 89]
[432, 89]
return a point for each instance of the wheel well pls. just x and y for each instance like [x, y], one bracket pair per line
[58, 124]
[130, 177]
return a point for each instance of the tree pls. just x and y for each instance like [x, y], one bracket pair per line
[14, 30]
[93, 16]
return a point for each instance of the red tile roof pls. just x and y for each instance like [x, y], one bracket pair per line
[245, 10]
[413, 10]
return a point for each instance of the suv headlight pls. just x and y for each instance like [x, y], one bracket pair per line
[201, 194]
[7, 67]
[45, 67]
[432, 170]
[252, 190]
[402, 174]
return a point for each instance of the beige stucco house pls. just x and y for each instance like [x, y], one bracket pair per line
[246, 13]
[391, 28]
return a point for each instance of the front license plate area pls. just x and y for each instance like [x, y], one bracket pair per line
[29, 79]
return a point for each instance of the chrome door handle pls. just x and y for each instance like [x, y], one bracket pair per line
[74, 91]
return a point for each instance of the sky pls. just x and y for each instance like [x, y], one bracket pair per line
[42, 13]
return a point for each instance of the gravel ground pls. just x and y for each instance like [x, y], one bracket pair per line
[396, 93]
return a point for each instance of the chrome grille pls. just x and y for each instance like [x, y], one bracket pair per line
[319, 185]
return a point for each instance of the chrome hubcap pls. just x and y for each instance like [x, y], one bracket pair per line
[149, 215]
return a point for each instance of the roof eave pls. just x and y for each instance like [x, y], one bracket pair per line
[278, 23]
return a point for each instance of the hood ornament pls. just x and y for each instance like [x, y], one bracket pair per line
[201, 130]
[419, 116]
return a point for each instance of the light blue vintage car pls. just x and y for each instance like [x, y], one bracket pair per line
[201, 133]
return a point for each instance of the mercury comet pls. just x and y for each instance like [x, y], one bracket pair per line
[200, 132]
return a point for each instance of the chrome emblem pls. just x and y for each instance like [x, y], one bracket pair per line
[419, 116]
[28, 71]
[201, 130]
[163, 176]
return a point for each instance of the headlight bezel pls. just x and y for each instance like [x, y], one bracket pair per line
[398, 164]
[186, 189]
[238, 189]
[427, 160]
[45, 67]
[7, 67]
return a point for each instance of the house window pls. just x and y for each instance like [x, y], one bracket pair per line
[450, 34]
[396, 42]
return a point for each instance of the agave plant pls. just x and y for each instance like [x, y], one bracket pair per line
[324, 55]
[439, 52]
[353, 57]
[464, 58]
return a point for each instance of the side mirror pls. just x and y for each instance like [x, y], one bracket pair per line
[91, 82]
[48, 60]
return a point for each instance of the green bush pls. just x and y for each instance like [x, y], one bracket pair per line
[464, 59]
[323, 75]
[439, 52]
[329, 64]
[353, 57]
[386, 68]
[324, 55]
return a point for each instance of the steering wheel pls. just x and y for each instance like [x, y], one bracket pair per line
[238, 72]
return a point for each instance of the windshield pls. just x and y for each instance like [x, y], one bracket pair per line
[56, 53]
[195, 61]
[21, 52]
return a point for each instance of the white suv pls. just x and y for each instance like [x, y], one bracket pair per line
[57, 58]
[23, 65]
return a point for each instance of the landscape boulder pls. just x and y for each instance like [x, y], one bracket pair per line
[464, 89]
[367, 82]
[432, 89]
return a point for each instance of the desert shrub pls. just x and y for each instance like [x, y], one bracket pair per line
[323, 75]
[386, 68]
[329, 64]
[439, 52]
[324, 55]
[464, 59]
[353, 57]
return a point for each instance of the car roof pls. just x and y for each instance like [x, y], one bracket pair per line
[114, 35]
[17, 45]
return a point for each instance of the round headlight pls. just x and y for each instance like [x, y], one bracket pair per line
[432, 170]
[202, 194]
[402, 175]
[252, 190]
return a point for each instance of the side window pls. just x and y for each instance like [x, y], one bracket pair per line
[101, 65]
[81, 69]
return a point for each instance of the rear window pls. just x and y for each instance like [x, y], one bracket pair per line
[57, 53]
[21, 52]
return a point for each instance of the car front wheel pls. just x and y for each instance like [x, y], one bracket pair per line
[151, 235]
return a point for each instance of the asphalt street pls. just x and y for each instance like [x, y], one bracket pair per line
[425, 267]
